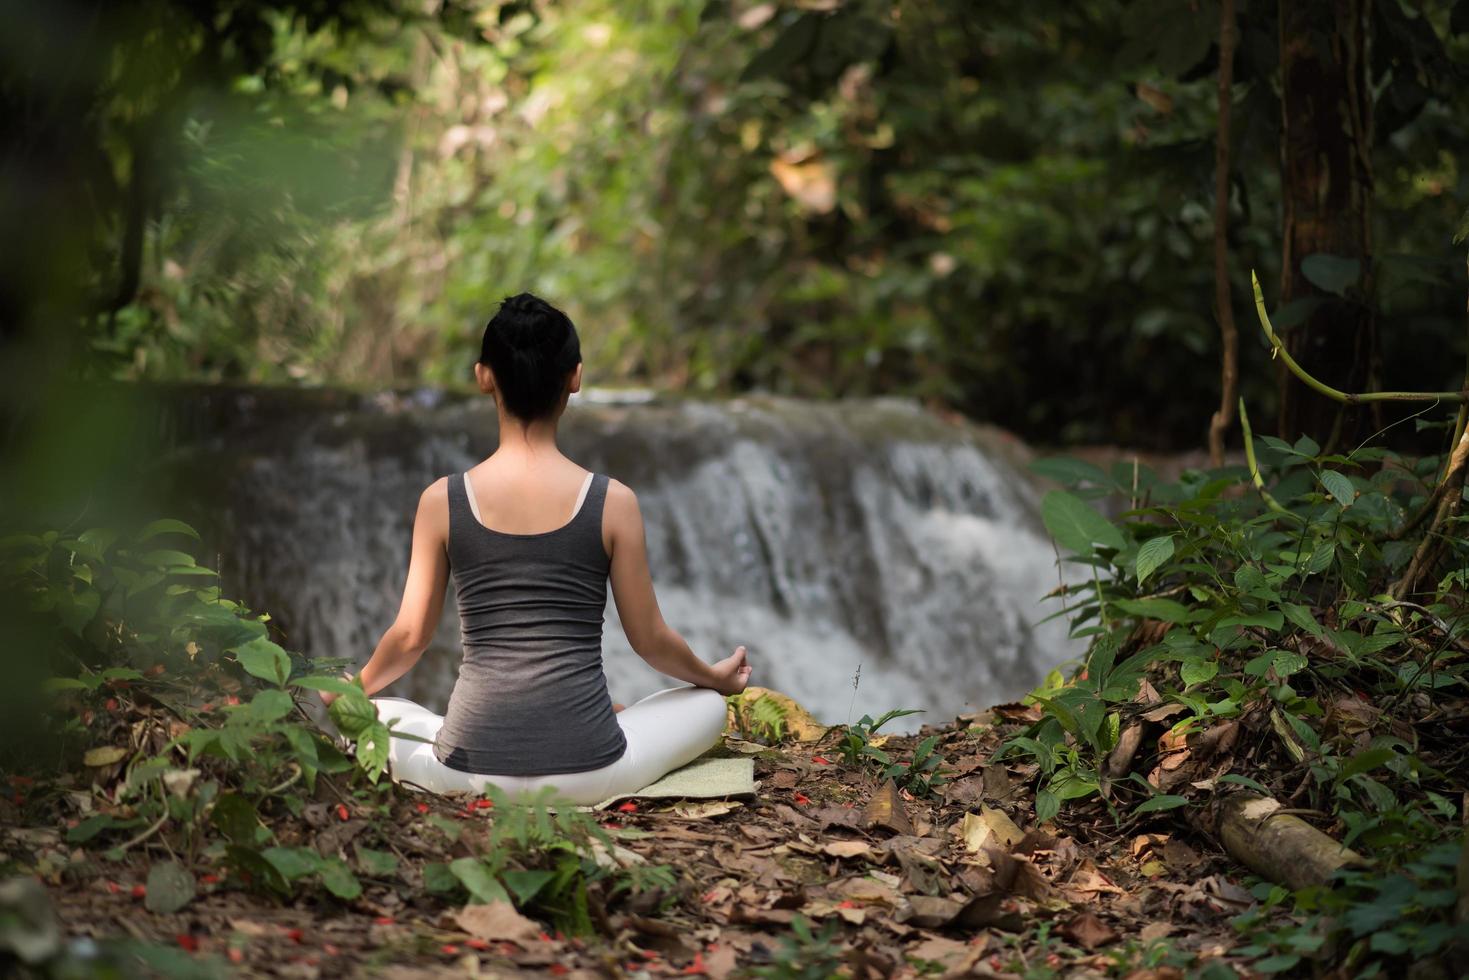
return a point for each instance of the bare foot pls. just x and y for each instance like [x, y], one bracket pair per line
[617, 707]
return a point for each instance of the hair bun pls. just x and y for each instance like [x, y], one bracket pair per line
[532, 348]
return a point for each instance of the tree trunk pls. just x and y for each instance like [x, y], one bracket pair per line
[1228, 336]
[1326, 187]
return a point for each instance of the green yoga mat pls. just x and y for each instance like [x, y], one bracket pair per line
[703, 779]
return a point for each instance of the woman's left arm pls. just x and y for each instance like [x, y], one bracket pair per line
[423, 594]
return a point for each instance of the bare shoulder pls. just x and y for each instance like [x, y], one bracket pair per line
[433, 503]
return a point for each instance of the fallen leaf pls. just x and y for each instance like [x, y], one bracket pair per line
[800, 723]
[928, 911]
[975, 832]
[703, 809]
[170, 887]
[885, 809]
[948, 953]
[104, 755]
[847, 848]
[1088, 931]
[866, 890]
[1001, 826]
[497, 921]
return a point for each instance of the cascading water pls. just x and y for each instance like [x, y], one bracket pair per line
[826, 537]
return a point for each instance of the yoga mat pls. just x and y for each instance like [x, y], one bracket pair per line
[703, 779]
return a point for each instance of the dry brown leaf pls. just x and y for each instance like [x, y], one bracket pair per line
[703, 809]
[1088, 931]
[866, 890]
[497, 922]
[885, 809]
[800, 723]
[948, 953]
[720, 961]
[928, 911]
[1088, 880]
[848, 849]
[1001, 826]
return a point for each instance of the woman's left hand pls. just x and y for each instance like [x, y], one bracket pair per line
[327, 697]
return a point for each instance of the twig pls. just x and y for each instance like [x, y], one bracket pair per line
[1335, 394]
[149, 832]
[1228, 334]
[1259, 481]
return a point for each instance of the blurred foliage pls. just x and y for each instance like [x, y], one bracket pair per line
[1004, 207]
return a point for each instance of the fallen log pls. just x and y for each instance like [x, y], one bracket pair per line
[1279, 845]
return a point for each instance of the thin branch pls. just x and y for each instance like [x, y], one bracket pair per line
[1349, 398]
[1228, 334]
[1259, 481]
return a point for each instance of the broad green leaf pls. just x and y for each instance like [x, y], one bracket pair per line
[170, 887]
[333, 685]
[1272, 620]
[1302, 617]
[352, 713]
[1333, 273]
[167, 558]
[235, 817]
[90, 827]
[1339, 485]
[270, 706]
[1076, 526]
[254, 865]
[292, 862]
[1366, 761]
[380, 864]
[373, 743]
[477, 879]
[339, 879]
[1198, 671]
[1288, 662]
[167, 526]
[1166, 610]
[438, 879]
[1064, 469]
[1151, 554]
[264, 659]
[1161, 802]
[1071, 785]
[525, 885]
[1047, 805]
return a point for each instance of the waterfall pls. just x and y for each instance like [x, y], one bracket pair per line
[825, 537]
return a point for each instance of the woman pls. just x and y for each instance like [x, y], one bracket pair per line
[530, 539]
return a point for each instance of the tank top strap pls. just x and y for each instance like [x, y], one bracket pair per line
[591, 508]
[459, 509]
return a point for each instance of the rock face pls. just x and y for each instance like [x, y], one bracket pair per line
[826, 537]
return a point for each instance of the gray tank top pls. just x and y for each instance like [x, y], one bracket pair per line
[531, 698]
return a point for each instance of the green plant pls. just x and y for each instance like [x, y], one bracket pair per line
[923, 773]
[805, 955]
[223, 743]
[856, 744]
[762, 718]
[549, 860]
[1365, 918]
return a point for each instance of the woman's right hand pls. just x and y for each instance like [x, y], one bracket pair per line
[731, 674]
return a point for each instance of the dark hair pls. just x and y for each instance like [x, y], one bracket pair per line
[532, 347]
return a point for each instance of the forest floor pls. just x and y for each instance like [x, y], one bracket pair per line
[962, 882]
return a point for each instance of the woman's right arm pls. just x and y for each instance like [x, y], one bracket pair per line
[632, 589]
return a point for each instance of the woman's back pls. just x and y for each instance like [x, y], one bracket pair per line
[531, 697]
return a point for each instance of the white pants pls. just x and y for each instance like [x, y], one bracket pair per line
[664, 731]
